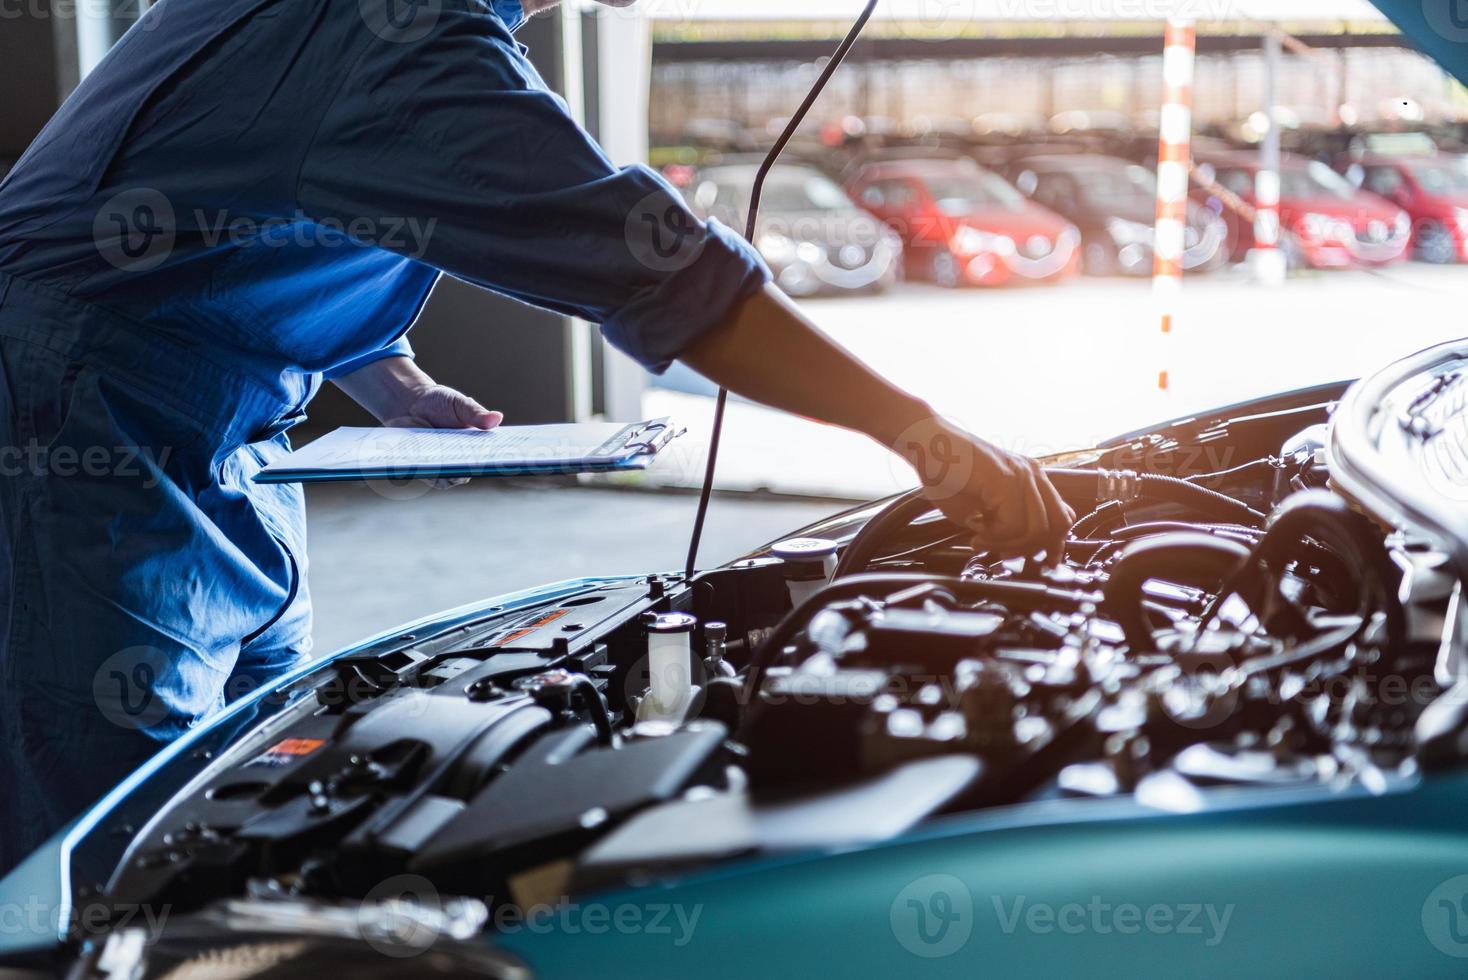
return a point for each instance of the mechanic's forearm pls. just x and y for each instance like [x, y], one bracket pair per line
[769, 352]
[386, 387]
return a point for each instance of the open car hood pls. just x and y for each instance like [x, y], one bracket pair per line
[454, 759]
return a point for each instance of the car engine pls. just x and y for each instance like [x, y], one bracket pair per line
[1226, 618]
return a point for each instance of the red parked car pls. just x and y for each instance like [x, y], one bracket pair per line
[963, 225]
[1327, 221]
[1434, 192]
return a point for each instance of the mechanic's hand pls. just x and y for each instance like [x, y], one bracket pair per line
[1003, 497]
[436, 406]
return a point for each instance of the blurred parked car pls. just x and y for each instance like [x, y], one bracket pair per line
[1433, 190]
[811, 234]
[1113, 202]
[1327, 221]
[964, 225]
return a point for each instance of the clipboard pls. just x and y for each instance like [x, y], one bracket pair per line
[374, 453]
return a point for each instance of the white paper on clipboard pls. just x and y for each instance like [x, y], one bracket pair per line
[369, 453]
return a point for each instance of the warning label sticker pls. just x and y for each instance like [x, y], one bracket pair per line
[524, 629]
[286, 751]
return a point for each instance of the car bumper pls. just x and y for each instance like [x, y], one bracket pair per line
[800, 277]
[1340, 255]
[991, 269]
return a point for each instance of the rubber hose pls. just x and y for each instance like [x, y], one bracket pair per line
[1231, 531]
[899, 513]
[1074, 484]
[597, 709]
[1088, 524]
[1186, 557]
[1233, 471]
[1118, 538]
[1328, 519]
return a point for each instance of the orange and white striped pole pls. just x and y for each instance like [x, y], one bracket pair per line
[1268, 261]
[1173, 157]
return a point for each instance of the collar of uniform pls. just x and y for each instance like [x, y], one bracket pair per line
[509, 11]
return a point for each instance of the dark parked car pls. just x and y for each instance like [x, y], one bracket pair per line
[1113, 202]
[811, 234]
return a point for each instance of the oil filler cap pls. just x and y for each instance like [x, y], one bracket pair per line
[675, 622]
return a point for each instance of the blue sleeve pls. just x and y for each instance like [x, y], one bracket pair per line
[398, 348]
[457, 135]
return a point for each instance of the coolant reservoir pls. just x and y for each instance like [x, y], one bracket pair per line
[670, 668]
[809, 564]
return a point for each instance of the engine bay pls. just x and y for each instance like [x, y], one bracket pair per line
[1224, 619]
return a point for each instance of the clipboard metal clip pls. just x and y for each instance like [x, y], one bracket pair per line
[657, 435]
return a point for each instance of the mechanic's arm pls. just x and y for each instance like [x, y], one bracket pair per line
[768, 351]
[456, 135]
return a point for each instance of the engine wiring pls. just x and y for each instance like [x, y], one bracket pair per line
[1209, 545]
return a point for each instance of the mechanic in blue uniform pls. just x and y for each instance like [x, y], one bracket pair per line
[247, 197]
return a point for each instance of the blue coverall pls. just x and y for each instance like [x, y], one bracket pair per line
[247, 196]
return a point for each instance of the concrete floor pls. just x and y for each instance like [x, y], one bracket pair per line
[376, 561]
